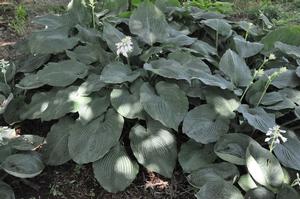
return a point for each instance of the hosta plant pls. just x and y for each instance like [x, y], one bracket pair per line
[122, 82]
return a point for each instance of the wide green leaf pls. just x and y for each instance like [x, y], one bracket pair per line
[219, 189]
[127, 102]
[293, 51]
[62, 73]
[155, 147]
[161, 104]
[115, 171]
[287, 152]
[91, 84]
[117, 72]
[149, 23]
[221, 26]
[263, 166]
[260, 193]
[289, 192]
[6, 192]
[258, 118]
[88, 143]
[246, 48]
[26, 142]
[213, 172]
[193, 155]
[246, 182]
[55, 151]
[23, 165]
[232, 147]
[235, 68]
[288, 34]
[204, 124]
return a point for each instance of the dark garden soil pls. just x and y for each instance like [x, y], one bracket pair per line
[71, 181]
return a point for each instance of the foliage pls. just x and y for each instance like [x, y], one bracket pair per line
[122, 94]
[18, 24]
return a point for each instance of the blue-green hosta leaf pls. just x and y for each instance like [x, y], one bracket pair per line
[204, 124]
[193, 156]
[250, 28]
[187, 60]
[258, 118]
[298, 71]
[177, 38]
[23, 165]
[117, 72]
[235, 68]
[6, 192]
[51, 42]
[113, 36]
[287, 79]
[55, 151]
[91, 84]
[32, 62]
[173, 69]
[13, 110]
[263, 166]
[287, 191]
[246, 48]
[149, 23]
[26, 142]
[287, 153]
[287, 34]
[166, 5]
[115, 171]
[164, 104]
[291, 94]
[213, 172]
[85, 54]
[293, 51]
[246, 182]
[260, 193]
[155, 147]
[216, 80]
[88, 143]
[232, 148]
[62, 73]
[79, 12]
[221, 26]
[127, 103]
[5, 151]
[30, 81]
[219, 189]
[204, 48]
[256, 90]
[225, 103]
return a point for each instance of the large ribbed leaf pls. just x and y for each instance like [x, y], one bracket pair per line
[260, 193]
[213, 172]
[55, 151]
[117, 72]
[6, 192]
[30, 81]
[149, 23]
[220, 26]
[91, 84]
[115, 7]
[287, 79]
[26, 142]
[235, 68]
[115, 171]
[193, 155]
[293, 51]
[155, 147]
[246, 182]
[32, 62]
[127, 102]
[258, 118]
[88, 143]
[289, 192]
[288, 152]
[62, 73]
[223, 101]
[263, 166]
[246, 48]
[23, 165]
[204, 124]
[232, 147]
[167, 107]
[219, 189]
[85, 54]
[113, 36]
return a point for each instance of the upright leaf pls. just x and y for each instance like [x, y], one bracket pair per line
[155, 147]
[246, 48]
[115, 171]
[149, 23]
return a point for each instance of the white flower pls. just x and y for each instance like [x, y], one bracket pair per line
[125, 46]
[272, 56]
[275, 135]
